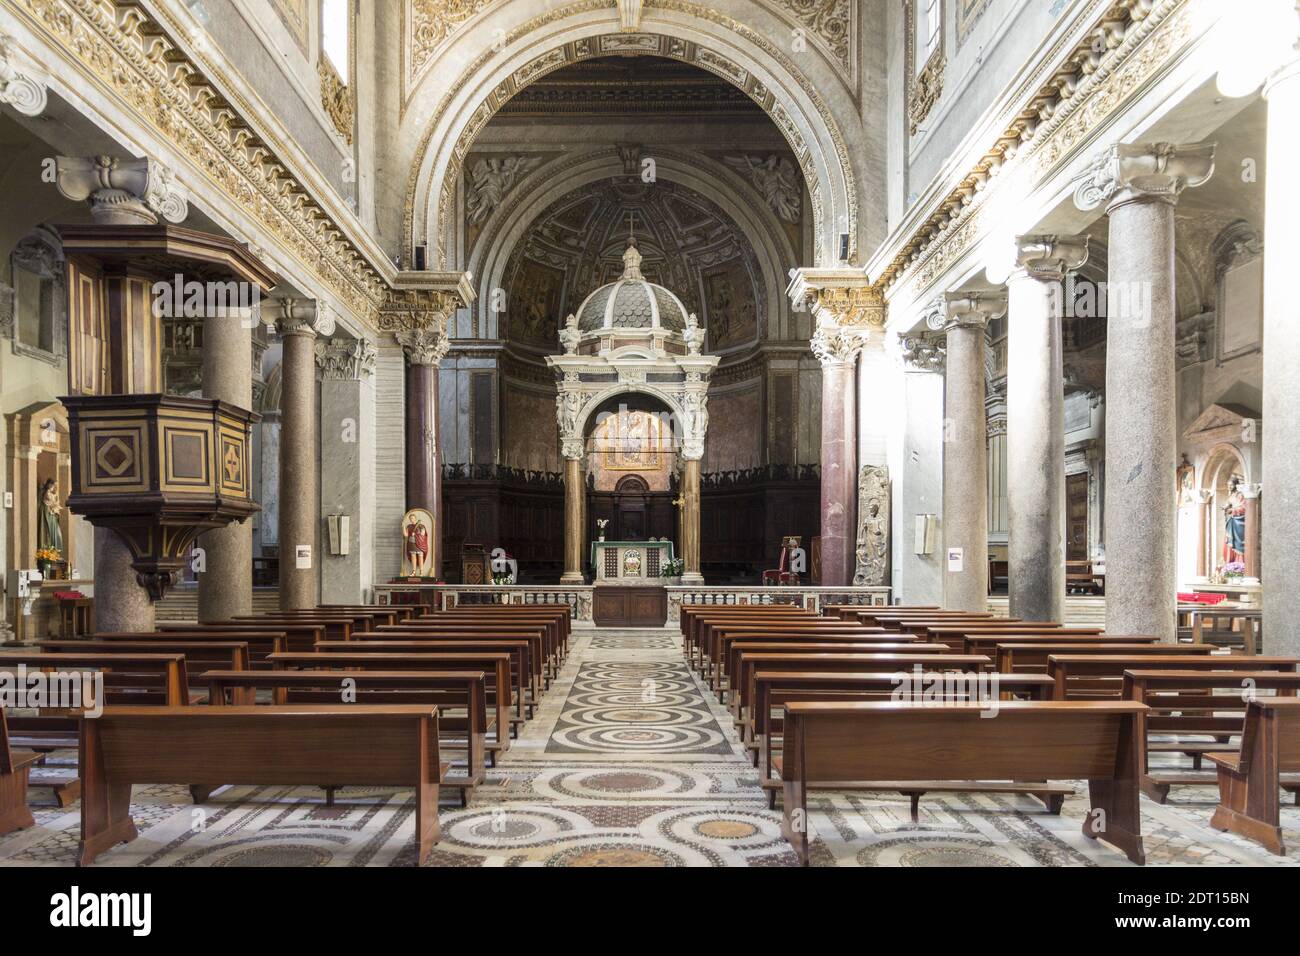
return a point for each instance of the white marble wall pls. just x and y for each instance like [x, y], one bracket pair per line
[918, 489]
[388, 489]
[347, 442]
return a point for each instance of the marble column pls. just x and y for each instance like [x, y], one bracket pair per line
[121, 603]
[574, 492]
[837, 350]
[691, 522]
[299, 322]
[424, 348]
[1280, 512]
[965, 449]
[1036, 425]
[1139, 185]
[226, 578]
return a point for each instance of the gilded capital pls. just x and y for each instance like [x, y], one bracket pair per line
[1143, 172]
[841, 297]
[1049, 258]
[122, 191]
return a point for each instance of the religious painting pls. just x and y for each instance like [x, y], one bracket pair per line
[729, 299]
[632, 440]
[417, 543]
[534, 302]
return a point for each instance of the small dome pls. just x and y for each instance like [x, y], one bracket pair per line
[631, 302]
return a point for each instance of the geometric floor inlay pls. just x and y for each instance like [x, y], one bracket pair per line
[629, 761]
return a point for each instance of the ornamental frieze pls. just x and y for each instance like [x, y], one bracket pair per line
[132, 57]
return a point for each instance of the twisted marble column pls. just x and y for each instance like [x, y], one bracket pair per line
[1140, 185]
[1036, 425]
[965, 448]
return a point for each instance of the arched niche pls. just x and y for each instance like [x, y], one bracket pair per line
[39, 448]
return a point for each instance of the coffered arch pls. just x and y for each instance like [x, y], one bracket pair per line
[768, 244]
[437, 132]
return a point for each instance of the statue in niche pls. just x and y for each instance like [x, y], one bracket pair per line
[873, 526]
[417, 536]
[49, 535]
[1234, 523]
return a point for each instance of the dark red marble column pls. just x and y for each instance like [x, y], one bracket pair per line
[424, 351]
[838, 353]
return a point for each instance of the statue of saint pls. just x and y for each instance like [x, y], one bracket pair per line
[48, 532]
[417, 546]
[1234, 524]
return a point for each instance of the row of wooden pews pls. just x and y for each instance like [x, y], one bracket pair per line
[329, 696]
[823, 701]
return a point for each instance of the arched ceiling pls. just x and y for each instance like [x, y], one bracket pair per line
[687, 242]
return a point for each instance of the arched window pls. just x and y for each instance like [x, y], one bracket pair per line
[334, 64]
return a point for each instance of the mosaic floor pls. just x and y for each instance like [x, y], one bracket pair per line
[629, 762]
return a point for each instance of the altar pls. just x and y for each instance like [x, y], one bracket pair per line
[631, 562]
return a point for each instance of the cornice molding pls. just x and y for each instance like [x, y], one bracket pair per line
[1075, 87]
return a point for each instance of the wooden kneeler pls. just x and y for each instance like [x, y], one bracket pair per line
[14, 768]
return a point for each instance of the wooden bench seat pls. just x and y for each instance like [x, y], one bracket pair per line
[342, 745]
[1248, 780]
[774, 689]
[814, 646]
[299, 636]
[845, 745]
[260, 644]
[449, 691]
[542, 658]
[502, 689]
[750, 662]
[1083, 677]
[1016, 656]
[714, 635]
[15, 766]
[200, 656]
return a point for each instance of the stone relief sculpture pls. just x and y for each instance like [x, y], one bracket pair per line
[873, 526]
[489, 181]
[776, 179]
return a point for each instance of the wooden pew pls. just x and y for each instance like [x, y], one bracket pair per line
[1186, 703]
[692, 644]
[299, 636]
[399, 612]
[1082, 677]
[1248, 780]
[1032, 658]
[521, 658]
[15, 765]
[557, 619]
[835, 745]
[544, 654]
[749, 663]
[200, 656]
[959, 635]
[337, 627]
[811, 644]
[447, 690]
[148, 678]
[712, 634]
[260, 644]
[345, 745]
[754, 613]
[502, 690]
[774, 689]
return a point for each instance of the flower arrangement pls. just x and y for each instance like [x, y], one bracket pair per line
[601, 525]
[506, 575]
[1234, 569]
[673, 568]
[49, 555]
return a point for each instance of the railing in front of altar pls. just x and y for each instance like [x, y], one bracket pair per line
[447, 596]
[810, 598]
[578, 597]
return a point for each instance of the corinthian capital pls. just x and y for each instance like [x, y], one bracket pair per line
[424, 300]
[297, 316]
[122, 191]
[1149, 172]
[834, 345]
[424, 346]
[841, 297]
[19, 89]
[924, 351]
[346, 360]
[1048, 258]
[970, 310]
